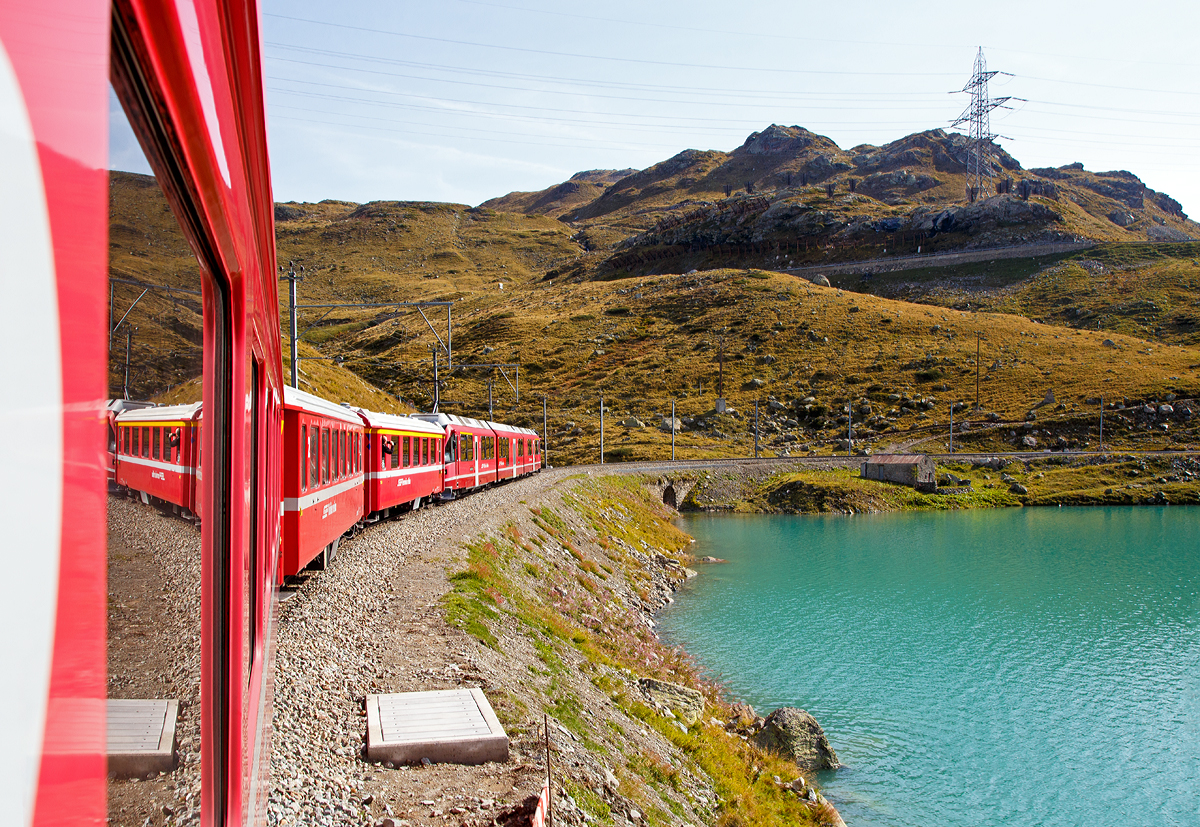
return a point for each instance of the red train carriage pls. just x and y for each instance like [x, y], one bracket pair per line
[403, 459]
[517, 453]
[322, 478]
[157, 453]
[116, 406]
[465, 465]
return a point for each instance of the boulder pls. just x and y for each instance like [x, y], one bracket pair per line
[1017, 488]
[671, 424]
[686, 703]
[1029, 441]
[820, 280]
[797, 735]
[633, 422]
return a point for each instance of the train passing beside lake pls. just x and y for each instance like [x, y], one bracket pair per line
[341, 466]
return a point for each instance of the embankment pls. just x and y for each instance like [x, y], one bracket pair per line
[541, 592]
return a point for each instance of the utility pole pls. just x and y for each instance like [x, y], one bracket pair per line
[437, 385]
[1101, 422]
[128, 347]
[490, 416]
[292, 278]
[601, 430]
[545, 435]
[756, 429]
[672, 430]
[952, 427]
[977, 115]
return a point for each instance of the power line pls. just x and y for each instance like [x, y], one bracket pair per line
[671, 63]
[574, 93]
[541, 118]
[583, 111]
[610, 84]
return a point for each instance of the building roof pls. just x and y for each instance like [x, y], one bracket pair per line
[895, 459]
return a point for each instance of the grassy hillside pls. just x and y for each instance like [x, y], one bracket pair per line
[1149, 291]
[1114, 321]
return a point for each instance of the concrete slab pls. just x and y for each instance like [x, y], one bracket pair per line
[453, 726]
[141, 736]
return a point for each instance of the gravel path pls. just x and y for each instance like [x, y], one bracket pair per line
[373, 623]
[154, 650]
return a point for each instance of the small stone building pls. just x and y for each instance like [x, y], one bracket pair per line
[916, 470]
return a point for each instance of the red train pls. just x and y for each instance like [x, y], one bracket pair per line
[341, 466]
[188, 74]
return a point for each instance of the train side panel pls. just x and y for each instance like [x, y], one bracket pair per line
[323, 491]
[402, 460]
[157, 453]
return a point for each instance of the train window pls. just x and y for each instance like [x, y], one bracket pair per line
[464, 448]
[325, 452]
[406, 459]
[314, 458]
[425, 450]
[338, 445]
[155, 440]
[146, 442]
[344, 464]
[395, 442]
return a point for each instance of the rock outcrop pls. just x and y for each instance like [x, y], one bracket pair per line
[687, 704]
[796, 734]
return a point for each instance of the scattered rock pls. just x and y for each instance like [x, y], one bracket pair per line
[796, 734]
[1017, 488]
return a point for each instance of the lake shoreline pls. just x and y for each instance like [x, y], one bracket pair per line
[996, 482]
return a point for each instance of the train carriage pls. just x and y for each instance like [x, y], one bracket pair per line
[525, 454]
[403, 461]
[509, 439]
[158, 453]
[114, 408]
[464, 464]
[322, 478]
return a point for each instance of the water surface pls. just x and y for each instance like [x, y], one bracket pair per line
[1034, 667]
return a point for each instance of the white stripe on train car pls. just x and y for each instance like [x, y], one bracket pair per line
[31, 502]
[400, 472]
[153, 463]
[318, 497]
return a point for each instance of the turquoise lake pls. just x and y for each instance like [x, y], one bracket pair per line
[1022, 667]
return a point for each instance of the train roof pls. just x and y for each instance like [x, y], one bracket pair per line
[374, 419]
[499, 427]
[116, 406]
[164, 413]
[299, 400]
[444, 419]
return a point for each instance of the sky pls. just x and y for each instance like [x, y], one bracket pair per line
[466, 100]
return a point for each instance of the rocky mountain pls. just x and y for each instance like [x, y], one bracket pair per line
[790, 194]
[582, 188]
